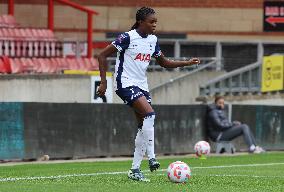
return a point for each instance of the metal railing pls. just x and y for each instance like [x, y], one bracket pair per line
[243, 80]
[154, 66]
[81, 8]
[205, 66]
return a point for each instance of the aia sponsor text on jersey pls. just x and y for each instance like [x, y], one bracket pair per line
[143, 57]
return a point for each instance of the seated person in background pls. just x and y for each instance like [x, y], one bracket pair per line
[221, 129]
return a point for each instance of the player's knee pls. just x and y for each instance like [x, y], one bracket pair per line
[245, 127]
[149, 120]
[150, 115]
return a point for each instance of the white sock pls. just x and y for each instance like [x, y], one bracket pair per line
[252, 148]
[148, 133]
[139, 151]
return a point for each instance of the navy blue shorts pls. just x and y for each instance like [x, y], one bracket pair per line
[131, 94]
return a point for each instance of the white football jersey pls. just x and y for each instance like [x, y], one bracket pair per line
[133, 57]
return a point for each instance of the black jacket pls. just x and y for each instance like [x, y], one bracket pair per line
[216, 121]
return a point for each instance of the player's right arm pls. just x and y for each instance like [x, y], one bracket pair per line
[108, 51]
[119, 44]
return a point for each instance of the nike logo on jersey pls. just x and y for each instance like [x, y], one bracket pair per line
[143, 57]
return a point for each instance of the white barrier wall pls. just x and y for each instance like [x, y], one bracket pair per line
[77, 89]
[59, 88]
[45, 88]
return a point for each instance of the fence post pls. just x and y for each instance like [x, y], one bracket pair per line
[11, 7]
[51, 15]
[177, 49]
[260, 52]
[218, 53]
[90, 34]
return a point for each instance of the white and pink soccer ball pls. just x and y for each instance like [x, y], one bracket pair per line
[179, 172]
[202, 148]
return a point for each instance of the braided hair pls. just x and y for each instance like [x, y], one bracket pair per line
[141, 15]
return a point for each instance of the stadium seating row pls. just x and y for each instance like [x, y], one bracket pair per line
[30, 48]
[26, 34]
[27, 42]
[8, 21]
[46, 65]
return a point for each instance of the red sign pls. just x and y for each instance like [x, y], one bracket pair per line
[273, 16]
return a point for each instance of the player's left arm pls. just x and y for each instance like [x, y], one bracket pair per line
[164, 62]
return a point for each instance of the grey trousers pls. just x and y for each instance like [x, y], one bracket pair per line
[236, 131]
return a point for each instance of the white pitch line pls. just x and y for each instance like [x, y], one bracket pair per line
[254, 176]
[60, 176]
[231, 166]
[244, 165]
[125, 172]
[226, 175]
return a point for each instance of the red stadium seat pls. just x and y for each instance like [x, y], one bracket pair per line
[72, 64]
[49, 66]
[44, 67]
[33, 50]
[27, 64]
[11, 33]
[30, 65]
[5, 66]
[5, 32]
[37, 65]
[2, 66]
[2, 23]
[62, 64]
[50, 34]
[28, 34]
[11, 20]
[81, 64]
[34, 33]
[55, 65]
[22, 34]
[17, 34]
[8, 21]
[16, 65]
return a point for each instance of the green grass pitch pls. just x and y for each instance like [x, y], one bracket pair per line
[256, 172]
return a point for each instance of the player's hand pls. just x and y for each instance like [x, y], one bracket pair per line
[237, 123]
[194, 61]
[102, 88]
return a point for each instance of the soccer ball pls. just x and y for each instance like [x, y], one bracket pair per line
[179, 172]
[202, 148]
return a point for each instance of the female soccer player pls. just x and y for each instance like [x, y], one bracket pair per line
[134, 51]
